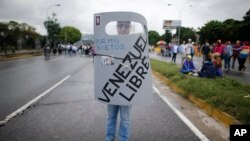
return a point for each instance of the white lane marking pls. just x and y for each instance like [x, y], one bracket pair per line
[196, 131]
[27, 105]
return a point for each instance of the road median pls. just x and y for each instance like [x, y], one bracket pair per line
[223, 117]
[222, 98]
[20, 54]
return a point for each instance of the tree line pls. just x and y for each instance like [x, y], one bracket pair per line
[16, 36]
[228, 30]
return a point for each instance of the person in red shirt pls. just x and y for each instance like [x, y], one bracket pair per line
[219, 49]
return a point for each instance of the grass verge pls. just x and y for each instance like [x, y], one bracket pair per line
[20, 55]
[225, 94]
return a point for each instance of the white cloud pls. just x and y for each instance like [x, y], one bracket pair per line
[80, 13]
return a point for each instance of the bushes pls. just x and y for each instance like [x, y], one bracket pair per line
[225, 93]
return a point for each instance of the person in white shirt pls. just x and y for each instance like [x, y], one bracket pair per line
[182, 51]
[189, 47]
[174, 50]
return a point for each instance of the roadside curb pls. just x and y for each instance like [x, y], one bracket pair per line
[221, 116]
[15, 58]
[19, 56]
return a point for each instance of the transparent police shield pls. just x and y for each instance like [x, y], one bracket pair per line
[122, 71]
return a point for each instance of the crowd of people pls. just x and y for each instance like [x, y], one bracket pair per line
[213, 56]
[68, 49]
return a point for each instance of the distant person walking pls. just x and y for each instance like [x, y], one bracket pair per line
[182, 51]
[206, 51]
[219, 49]
[228, 52]
[189, 48]
[47, 52]
[236, 52]
[174, 50]
[54, 50]
[244, 54]
[92, 50]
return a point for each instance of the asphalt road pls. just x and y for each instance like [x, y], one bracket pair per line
[25, 79]
[69, 111]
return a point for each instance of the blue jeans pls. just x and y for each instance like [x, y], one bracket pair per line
[227, 60]
[124, 129]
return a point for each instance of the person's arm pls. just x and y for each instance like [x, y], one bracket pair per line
[240, 48]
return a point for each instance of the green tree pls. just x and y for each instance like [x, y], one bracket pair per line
[244, 29]
[12, 32]
[153, 37]
[53, 29]
[247, 16]
[211, 31]
[187, 33]
[166, 36]
[70, 34]
[230, 28]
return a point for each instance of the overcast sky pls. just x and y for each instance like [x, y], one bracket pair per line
[79, 13]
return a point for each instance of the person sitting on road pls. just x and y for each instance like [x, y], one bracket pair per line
[208, 69]
[188, 66]
[217, 63]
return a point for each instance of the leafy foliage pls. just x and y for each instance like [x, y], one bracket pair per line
[70, 34]
[211, 32]
[56, 34]
[153, 37]
[229, 29]
[166, 36]
[14, 35]
[187, 33]
[53, 29]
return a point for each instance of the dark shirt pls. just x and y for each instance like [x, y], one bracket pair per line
[206, 50]
[208, 69]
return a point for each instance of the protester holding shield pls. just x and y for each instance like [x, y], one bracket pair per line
[123, 28]
[122, 67]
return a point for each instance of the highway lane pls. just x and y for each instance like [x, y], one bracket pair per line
[22, 80]
[69, 111]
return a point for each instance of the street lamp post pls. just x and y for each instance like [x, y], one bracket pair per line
[180, 13]
[54, 5]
